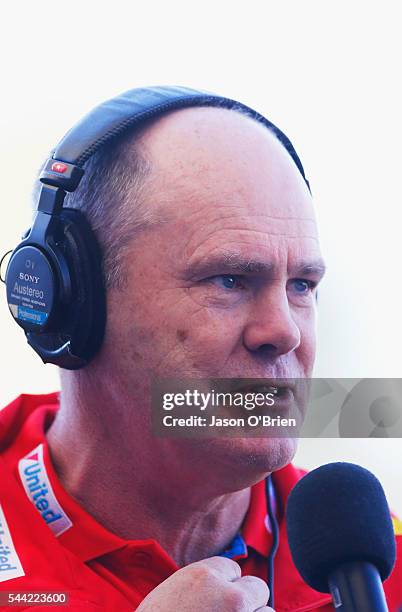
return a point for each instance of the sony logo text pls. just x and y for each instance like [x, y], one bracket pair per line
[29, 277]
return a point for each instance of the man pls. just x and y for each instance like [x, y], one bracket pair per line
[214, 274]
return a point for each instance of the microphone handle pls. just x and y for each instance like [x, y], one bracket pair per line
[357, 587]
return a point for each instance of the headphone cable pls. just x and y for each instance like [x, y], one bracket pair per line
[270, 494]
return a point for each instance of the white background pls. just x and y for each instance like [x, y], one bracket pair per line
[327, 72]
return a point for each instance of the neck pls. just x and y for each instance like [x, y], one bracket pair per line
[151, 492]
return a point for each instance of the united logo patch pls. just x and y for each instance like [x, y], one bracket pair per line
[39, 490]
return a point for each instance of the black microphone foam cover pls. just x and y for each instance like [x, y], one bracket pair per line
[336, 514]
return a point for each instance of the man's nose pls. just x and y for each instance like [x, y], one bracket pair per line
[270, 327]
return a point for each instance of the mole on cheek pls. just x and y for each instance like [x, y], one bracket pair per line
[181, 335]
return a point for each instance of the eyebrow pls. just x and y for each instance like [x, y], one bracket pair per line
[238, 264]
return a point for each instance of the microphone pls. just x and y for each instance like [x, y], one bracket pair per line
[341, 536]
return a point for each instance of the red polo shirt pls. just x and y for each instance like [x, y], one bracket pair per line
[48, 542]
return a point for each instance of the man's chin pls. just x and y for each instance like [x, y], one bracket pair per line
[248, 459]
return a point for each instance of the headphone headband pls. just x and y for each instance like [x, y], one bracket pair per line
[113, 117]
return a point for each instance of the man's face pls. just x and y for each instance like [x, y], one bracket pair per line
[225, 286]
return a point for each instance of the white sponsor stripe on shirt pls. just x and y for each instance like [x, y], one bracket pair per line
[10, 564]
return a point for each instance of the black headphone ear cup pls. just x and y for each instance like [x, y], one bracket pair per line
[68, 328]
[86, 311]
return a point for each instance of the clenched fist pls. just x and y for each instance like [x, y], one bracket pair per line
[210, 585]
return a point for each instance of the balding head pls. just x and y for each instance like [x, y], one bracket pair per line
[215, 151]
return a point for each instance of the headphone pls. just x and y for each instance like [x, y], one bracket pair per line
[54, 278]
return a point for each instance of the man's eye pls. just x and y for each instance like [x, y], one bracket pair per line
[227, 281]
[303, 286]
